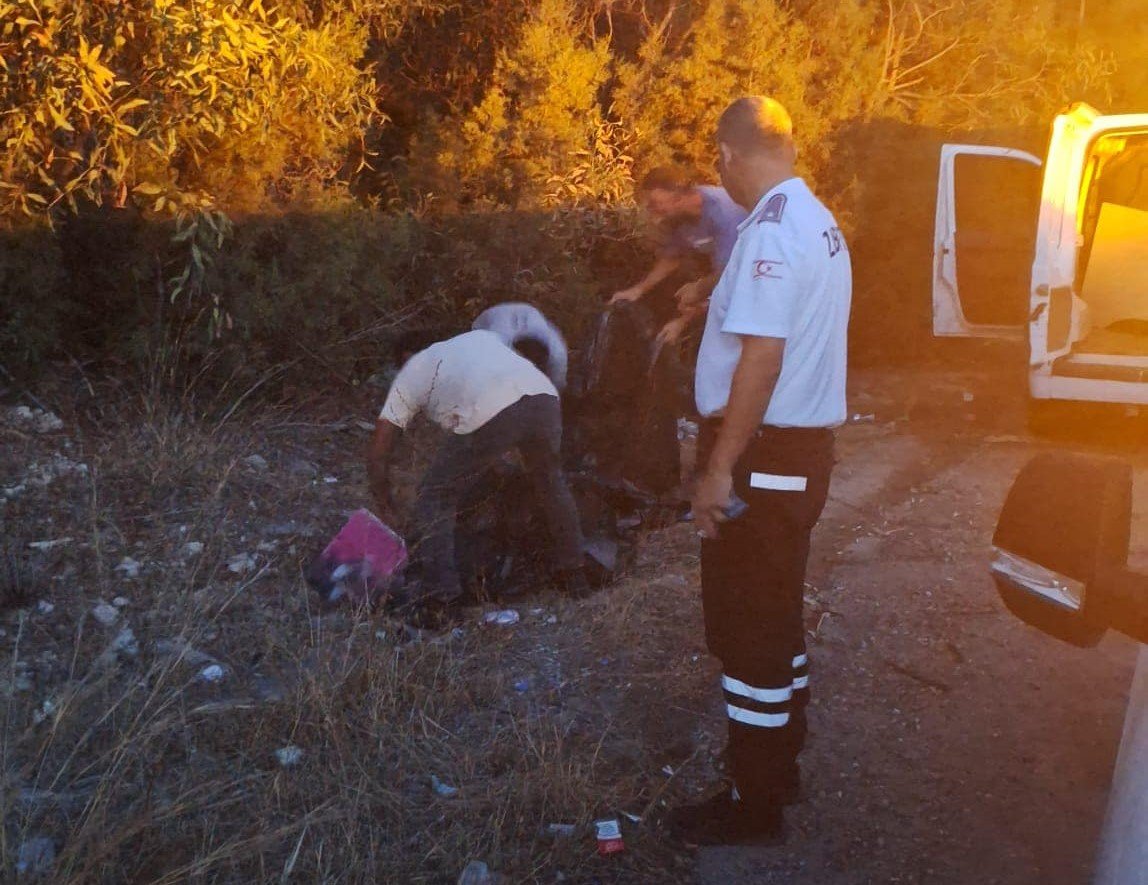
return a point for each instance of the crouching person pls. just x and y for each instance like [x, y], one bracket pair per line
[490, 401]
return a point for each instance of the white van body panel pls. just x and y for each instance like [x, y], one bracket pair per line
[948, 316]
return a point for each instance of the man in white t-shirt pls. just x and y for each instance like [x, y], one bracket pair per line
[489, 400]
[770, 387]
[521, 325]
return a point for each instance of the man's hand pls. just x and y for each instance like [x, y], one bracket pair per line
[626, 295]
[711, 497]
[691, 293]
[671, 332]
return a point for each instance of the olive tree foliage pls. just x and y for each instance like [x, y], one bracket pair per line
[174, 104]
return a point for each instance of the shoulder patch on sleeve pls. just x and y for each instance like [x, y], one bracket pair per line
[773, 209]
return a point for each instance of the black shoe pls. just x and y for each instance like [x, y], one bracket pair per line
[720, 820]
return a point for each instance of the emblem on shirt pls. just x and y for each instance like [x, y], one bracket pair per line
[767, 269]
[773, 209]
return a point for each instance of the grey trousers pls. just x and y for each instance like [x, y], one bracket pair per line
[533, 427]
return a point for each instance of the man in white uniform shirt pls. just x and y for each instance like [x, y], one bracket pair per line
[490, 401]
[770, 386]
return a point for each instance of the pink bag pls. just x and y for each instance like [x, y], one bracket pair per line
[363, 559]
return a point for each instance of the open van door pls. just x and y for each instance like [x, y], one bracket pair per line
[988, 200]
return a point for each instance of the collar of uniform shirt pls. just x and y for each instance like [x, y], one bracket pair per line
[752, 217]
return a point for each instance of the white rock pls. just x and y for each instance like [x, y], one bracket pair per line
[505, 618]
[129, 567]
[289, 756]
[192, 548]
[121, 602]
[125, 643]
[212, 673]
[256, 462]
[241, 563]
[105, 614]
[44, 607]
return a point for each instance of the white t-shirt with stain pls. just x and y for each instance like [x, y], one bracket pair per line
[462, 383]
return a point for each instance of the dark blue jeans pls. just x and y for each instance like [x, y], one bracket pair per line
[533, 427]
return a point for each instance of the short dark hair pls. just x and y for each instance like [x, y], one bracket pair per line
[535, 351]
[410, 341]
[665, 178]
[756, 124]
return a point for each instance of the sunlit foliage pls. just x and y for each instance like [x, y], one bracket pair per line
[173, 103]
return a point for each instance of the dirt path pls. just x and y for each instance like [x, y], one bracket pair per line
[950, 743]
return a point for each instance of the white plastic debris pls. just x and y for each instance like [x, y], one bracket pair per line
[105, 614]
[35, 856]
[48, 545]
[44, 711]
[44, 607]
[129, 568]
[121, 602]
[241, 563]
[289, 756]
[256, 462]
[212, 673]
[476, 873]
[192, 548]
[505, 618]
[330, 480]
[442, 789]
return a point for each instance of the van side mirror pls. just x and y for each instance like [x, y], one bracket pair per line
[1060, 551]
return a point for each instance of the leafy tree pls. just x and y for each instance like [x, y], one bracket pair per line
[539, 134]
[174, 103]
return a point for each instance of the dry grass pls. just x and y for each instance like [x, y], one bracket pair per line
[142, 772]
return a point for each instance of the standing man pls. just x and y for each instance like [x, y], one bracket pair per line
[490, 401]
[693, 218]
[770, 385]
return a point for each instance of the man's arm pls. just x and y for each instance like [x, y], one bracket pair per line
[378, 467]
[662, 269]
[753, 382]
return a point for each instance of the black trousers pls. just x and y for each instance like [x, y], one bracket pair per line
[753, 580]
[533, 427]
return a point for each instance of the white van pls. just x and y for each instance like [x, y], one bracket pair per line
[1056, 253]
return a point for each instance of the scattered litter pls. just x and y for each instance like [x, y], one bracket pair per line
[330, 480]
[863, 419]
[694, 658]
[40, 420]
[256, 462]
[44, 607]
[192, 548]
[561, 831]
[121, 602]
[212, 673]
[105, 614]
[124, 645]
[289, 756]
[522, 685]
[457, 633]
[129, 567]
[48, 545]
[551, 619]
[686, 430]
[442, 789]
[609, 832]
[241, 563]
[476, 873]
[361, 561]
[35, 856]
[40, 476]
[44, 711]
[668, 770]
[505, 618]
